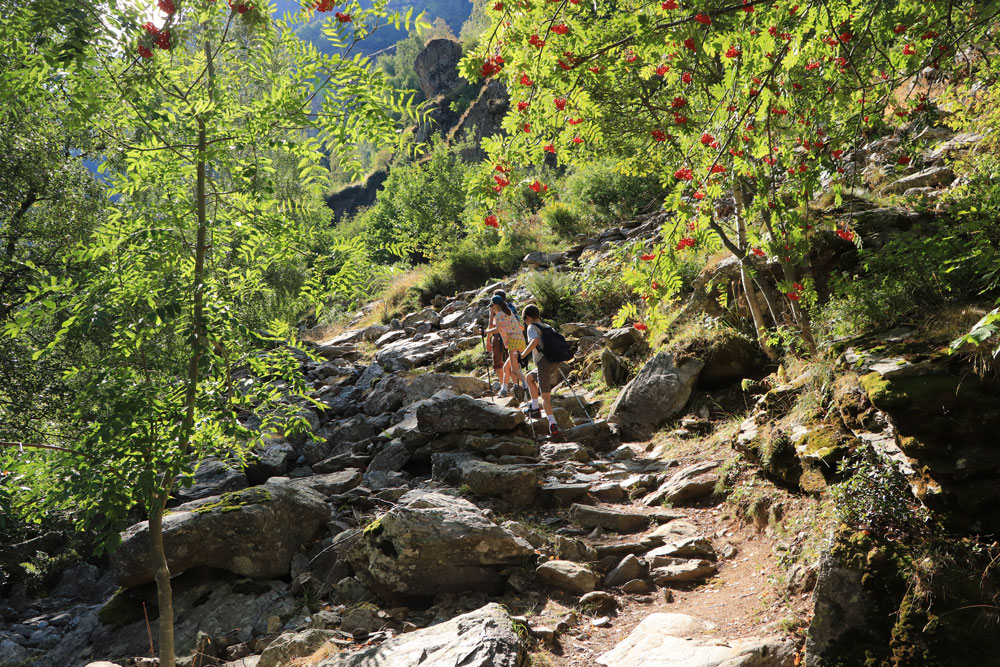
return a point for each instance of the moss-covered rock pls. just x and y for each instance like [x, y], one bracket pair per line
[903, 603]
[948, 423]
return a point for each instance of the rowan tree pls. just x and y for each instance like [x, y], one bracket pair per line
[214, 123]
[747, 110]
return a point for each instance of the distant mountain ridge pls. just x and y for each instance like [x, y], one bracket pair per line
[454, 13]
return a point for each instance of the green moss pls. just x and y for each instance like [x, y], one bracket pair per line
[234, 500]
[825, 443]
[123, 609]
[373, 528]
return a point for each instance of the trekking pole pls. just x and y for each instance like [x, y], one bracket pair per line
[570, 385]
[527, 393]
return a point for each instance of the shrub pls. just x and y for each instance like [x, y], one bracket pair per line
[564, 220]
[555, 295]
[609, 195]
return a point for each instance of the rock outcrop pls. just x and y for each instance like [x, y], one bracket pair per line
[432, 543]
[658, 392]
[482, 638]
[254, 533]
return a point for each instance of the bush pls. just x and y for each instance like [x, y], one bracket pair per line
[564, 220]
[609, 195]
[555, 295]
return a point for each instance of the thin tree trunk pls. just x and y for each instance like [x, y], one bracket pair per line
[164, 591]
[759, 324]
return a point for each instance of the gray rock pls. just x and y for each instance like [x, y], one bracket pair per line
[444, 414]
[564, 451]
[686, 547]
[636, 586]
[542, 260]
[363, 618]
[621, 339]
[570, 548]
[628, 569]
[398, 391]
[670, 640]
[253, 532]
[432, 543]
[515, 484]
[568, 576]
[82, 582]
[293, 645]
[274, 460]
[935, 176]
[332, 484]
[213, 477]
[613, 369]
[597, 435]
[100, 663]
[689, 483]
[502, 446]
[619, 521]
[12, 653]
[670, 532]
[390, 458]
[349, 591]
[658, 392]
[841, 608]
[482, 638]
[681, 570]
[580, 330]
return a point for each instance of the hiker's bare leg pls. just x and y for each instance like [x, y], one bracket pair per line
[532, 386]
[547, 403]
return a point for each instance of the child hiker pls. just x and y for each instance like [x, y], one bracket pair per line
[496, 341]
[506, 324]
[539, 379]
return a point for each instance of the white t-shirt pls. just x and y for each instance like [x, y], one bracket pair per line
[535, 331]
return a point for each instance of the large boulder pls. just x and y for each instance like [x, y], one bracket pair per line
[431, 543]
[253, 532]
[658, 392]
[445, 414]
[672, 640]
[482, 638]
[398, 391]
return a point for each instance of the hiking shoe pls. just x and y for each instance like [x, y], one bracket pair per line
[534, 413]
[553, 429]
[503, 392]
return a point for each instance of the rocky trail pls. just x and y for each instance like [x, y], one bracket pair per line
[428, 526]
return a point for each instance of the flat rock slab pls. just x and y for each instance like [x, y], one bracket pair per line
[665, 640]
[681, 569]
[482, 638]
[615, 520]
[253, 532]
[445, 414]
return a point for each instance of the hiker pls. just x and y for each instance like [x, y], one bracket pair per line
[496, 341]
[507, 325]
[540, 379]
